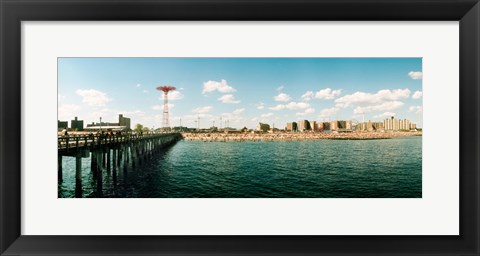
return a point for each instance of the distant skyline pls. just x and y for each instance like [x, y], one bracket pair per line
[242, 91]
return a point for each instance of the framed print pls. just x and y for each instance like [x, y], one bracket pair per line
[239, 127]
[284, 114]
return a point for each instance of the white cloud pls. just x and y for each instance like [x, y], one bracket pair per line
[416, 109]
[67, 111]
[221, 86]
[145, 91]
[238, 111]
[308, 96]
[389, 105]
[306, 112]
[202, 110]
[292, 106]
[415, 75]
[417, 95]
[365, 99]
[132, 113]
[260, 105]
[384, 115]
[234, 116]
[327, 94]
[282, 97]
[93, 97]
[267, 115]
[173, 95]
[328, 112]
[278, 107]
[297, 105]
[228, 98]
[157, 107]
[138, 85]
[324, 94]
[280, 88]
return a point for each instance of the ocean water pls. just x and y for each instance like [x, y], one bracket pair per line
[388, 168]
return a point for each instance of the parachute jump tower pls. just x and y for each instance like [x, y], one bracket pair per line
[165, 89]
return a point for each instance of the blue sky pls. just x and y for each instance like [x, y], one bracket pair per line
[242, 91]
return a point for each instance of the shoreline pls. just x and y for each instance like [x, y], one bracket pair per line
[258, 137]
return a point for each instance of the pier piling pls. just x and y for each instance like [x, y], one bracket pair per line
[60, 171]
[78, 176]
[107, 152]
[108, 160]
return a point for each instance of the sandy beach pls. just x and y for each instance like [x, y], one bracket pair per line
[239, 137]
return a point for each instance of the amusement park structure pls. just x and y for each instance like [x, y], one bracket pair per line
[165, 89]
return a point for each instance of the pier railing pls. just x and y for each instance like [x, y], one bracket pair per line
[82, 141]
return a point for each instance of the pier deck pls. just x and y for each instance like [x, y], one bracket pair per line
[109, 152]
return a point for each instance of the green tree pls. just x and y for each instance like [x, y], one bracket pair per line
[138, 128]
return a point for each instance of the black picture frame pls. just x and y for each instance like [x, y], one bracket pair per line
[13, 12]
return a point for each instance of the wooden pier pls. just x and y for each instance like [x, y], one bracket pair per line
[110, 153]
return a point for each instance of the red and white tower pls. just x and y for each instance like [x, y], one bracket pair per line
[165, 89]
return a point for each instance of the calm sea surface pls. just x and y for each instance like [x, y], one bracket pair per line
[291, 169]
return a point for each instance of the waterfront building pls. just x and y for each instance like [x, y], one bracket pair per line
[273, 130]
[388, 124]
[77, 125]
[361, 127]
[333, 125]
[392, 124]
[367, 126]
[313, 126]
[378, 126]
[62, 125]
[177, 129]
[320, 126]
[348, 125]
[232, 130]
[123, 124]
[340, 125]
[304, 125]
[372, 126]
[124, 121]
[263, 127]
[291, 127]
[323, 126]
